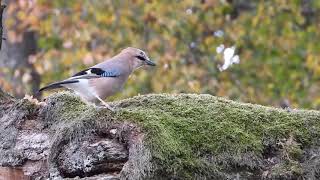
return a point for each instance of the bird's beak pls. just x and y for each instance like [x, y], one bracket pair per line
[150, 63]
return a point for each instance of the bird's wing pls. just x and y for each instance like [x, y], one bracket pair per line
[85, 74]
[96, 73]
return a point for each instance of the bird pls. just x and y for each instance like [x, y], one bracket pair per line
[100, 81]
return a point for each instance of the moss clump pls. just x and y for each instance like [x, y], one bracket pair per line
[205, 136]
[72, 117]
[185, 130]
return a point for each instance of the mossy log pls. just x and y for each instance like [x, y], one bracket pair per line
[159, 136]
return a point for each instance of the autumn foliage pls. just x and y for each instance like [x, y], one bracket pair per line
[277, 42]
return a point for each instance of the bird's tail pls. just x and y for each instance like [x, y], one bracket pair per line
[58, 85]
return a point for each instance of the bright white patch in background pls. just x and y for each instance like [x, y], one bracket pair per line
[229, 58]
[236, 59]
[189, 11]
[228, 53]
[193, 44]
[220, 48]
[218, 33]
[166, 66]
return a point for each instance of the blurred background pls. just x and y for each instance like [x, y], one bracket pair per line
[277, 42]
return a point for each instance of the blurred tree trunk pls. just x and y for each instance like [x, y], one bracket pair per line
[15, 57]
[307, 11]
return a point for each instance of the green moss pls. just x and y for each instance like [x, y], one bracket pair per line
[287, 170]
[182, 129]
[185, 131]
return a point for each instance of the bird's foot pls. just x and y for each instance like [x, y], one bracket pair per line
[104, 104]
[107, 106]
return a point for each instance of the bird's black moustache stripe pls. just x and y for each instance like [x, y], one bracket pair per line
[141, 58]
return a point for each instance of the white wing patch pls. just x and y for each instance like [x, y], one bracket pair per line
[89, 71]
[83, 89]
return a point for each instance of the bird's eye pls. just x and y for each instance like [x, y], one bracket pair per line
[141, 58]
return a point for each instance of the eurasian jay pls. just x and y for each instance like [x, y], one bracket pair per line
[106, 78]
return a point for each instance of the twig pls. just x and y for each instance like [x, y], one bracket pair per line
[1, 27]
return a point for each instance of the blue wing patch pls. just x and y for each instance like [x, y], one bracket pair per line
[99, 72]
[110, 73]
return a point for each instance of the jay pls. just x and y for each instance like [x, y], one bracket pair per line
[106, 78]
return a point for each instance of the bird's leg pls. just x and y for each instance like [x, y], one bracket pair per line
[105, 104]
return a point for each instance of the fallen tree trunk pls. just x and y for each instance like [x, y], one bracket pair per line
[181, 136]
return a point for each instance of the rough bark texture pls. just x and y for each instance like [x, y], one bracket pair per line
[156, 137]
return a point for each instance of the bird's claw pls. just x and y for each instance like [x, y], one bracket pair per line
[110, 108]
[107, 106]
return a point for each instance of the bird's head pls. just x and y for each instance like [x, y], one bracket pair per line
[137, 57]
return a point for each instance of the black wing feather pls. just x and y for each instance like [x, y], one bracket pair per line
[98, 71]
[58, 84]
